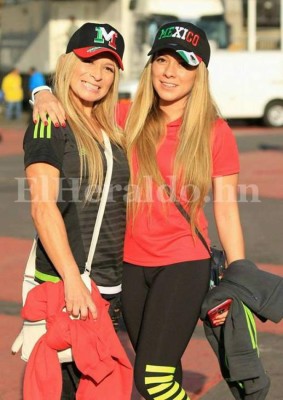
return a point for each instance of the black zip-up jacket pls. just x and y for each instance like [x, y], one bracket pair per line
[235, 342]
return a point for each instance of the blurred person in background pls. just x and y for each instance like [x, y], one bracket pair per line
[36, 79]
[13, 94]
[2, 101]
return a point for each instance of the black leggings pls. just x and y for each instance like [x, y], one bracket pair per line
[161, 307]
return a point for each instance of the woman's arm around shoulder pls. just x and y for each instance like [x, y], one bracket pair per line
[45, 103]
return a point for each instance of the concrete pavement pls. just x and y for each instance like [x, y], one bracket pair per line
[261, 206]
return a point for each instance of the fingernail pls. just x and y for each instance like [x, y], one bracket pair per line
[35, 121]
[64, 124]
[56, 125]
[45, 123]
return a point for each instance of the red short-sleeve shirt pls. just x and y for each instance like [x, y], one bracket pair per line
[163, 236]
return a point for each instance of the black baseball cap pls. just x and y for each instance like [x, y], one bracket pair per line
[186, 39]
[91, 39]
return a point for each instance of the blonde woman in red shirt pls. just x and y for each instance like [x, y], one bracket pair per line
[175, 138]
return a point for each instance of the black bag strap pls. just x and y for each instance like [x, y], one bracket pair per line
[188, 218]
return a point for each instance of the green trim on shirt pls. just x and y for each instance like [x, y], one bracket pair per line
[45, 277]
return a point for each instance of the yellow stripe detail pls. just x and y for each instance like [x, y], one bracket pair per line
[49, 128]
[158, 388]
[168, 394]
[45, 277]
[35, 131]
[159, 368]
[41, 132]
[159, 379]
[181, 396]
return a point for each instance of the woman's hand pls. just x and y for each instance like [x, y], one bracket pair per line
[218, 314]
[78, 298]
[220, 318]
[45, 103]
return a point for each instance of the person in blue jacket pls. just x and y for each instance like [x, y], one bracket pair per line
[36, 79]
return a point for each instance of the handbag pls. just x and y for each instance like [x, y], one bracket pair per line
[32, 331]
[217, 256]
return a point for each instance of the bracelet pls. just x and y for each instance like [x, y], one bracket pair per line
[36, 90]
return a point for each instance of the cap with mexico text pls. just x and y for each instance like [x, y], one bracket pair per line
[186, 39]
[91, 39]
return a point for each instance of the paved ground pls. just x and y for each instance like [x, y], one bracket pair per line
[261, 205]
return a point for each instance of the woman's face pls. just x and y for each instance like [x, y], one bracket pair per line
[92, 79]
[172, 78]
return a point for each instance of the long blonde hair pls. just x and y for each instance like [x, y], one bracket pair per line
[193, 162]
[103, 114]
